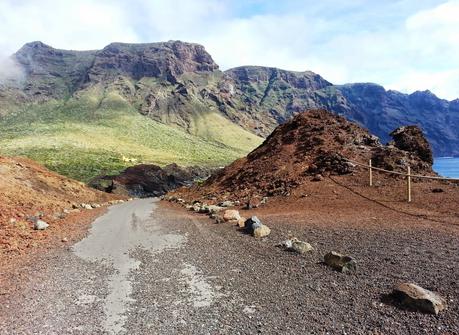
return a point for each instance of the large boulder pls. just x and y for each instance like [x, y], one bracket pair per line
[415, 297]
[255, 227]
[251, 224]
[411, 139]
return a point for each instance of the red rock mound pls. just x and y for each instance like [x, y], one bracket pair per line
[313, 144]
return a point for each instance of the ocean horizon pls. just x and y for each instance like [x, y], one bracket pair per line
[447, 166]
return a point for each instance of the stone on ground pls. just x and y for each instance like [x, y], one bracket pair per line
[415, 297]
[261, 231]
[251, 224]
[231, 214]
[241, 222]
[40, 225]
[296, 245]
[340, 262]
[256, 228]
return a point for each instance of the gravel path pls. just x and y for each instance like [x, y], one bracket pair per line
[148, 268]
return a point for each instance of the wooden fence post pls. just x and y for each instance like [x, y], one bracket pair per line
[408, 184]
[371, 173]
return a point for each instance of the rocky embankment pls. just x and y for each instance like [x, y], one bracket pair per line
[148, 180]
[35, 203]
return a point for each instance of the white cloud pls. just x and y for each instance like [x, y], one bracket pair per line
[83, 24]
[10, 71]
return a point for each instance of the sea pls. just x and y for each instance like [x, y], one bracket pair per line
[447, 166]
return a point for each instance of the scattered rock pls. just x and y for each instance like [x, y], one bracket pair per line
[219, 219]
[86, 206]
[255, 227]
[64, 239]
[251, 224]
[231, 214]
[296, 245]
[13, 221]
[261, 231]
[241, 222]
[40, 225]
[340, 262]
[417, 298]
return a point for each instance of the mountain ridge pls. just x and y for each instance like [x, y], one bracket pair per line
[179, 85]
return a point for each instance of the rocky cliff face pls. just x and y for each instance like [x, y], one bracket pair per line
[178, 83]
[165, 61]
[52, 73]
[381, 111]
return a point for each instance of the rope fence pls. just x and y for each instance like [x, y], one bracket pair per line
[408, 175]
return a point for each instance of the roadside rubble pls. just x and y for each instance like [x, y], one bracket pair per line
[408, 295]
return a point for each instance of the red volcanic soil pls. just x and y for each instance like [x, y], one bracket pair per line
[301, 170]
[312, 143]
[28, 190]
[311, 192]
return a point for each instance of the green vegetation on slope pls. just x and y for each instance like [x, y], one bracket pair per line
[95, 133]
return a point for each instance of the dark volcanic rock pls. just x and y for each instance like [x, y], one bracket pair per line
[382, 111]
[411, 138]
[146, 180]
[409, 148]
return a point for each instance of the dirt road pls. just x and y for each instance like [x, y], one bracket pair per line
[148, 268]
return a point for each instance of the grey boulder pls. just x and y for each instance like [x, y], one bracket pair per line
[415, 297]
[340, 262]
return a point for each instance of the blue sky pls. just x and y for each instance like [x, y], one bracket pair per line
[406, 45]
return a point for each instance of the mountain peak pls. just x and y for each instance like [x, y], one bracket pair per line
[165, 60]
[36, 45]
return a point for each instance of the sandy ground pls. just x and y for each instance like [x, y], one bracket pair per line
[164, 270]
